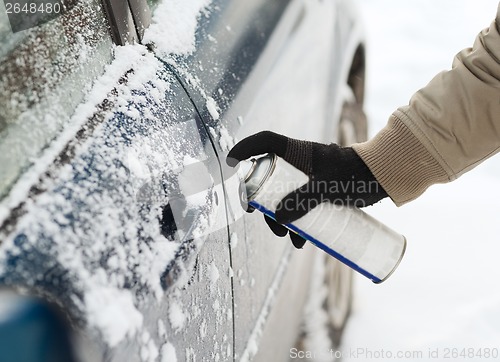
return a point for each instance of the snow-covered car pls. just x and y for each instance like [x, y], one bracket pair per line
[122, 236]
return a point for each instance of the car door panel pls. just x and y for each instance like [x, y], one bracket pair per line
[290, 100]
[250, 78]
[121, 235]
[137, 229]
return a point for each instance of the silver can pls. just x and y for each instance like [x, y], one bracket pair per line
[346, 233]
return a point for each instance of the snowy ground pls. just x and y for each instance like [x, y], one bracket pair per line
[442, 303]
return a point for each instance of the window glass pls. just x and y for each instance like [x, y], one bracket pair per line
[8, 40]
[44, 73]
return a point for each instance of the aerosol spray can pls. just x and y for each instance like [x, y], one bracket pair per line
[346, 233]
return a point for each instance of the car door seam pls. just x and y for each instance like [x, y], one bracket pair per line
[177, 77]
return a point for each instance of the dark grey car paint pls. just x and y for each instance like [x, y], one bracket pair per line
[244, 64]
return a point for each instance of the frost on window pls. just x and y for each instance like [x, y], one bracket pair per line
[44, 74]
[8, 40]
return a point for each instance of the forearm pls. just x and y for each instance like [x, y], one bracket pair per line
[450, 126]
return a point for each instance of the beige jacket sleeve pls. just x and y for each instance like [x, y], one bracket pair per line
[450, 126]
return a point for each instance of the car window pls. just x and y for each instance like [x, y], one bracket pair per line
[44, 73]
[8, 40]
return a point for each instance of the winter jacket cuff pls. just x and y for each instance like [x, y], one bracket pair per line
[400, 162]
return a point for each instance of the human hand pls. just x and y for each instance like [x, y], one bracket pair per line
[336, 174]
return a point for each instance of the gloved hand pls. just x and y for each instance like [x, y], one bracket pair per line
[336, 174]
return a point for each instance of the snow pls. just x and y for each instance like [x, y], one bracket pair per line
[126, 57]
[444, 295]
[233, 241]
[113, 312]
[68, 236]
[168, 353]
[172, 32]
[213, 274]
[216, 305]
[212, 108]
[203, 329]
[162, 330]
[96, 242]
[97, 250]
[36, 111]
[167, 350]
[173, 27]
[176, 316]
[226, 141]
[149, 351]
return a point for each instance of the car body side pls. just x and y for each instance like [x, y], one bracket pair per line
[101, 223]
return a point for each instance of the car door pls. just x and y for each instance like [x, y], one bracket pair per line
[116, 213]
[252, 64]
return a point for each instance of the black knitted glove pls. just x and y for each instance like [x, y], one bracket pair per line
[336, 174]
